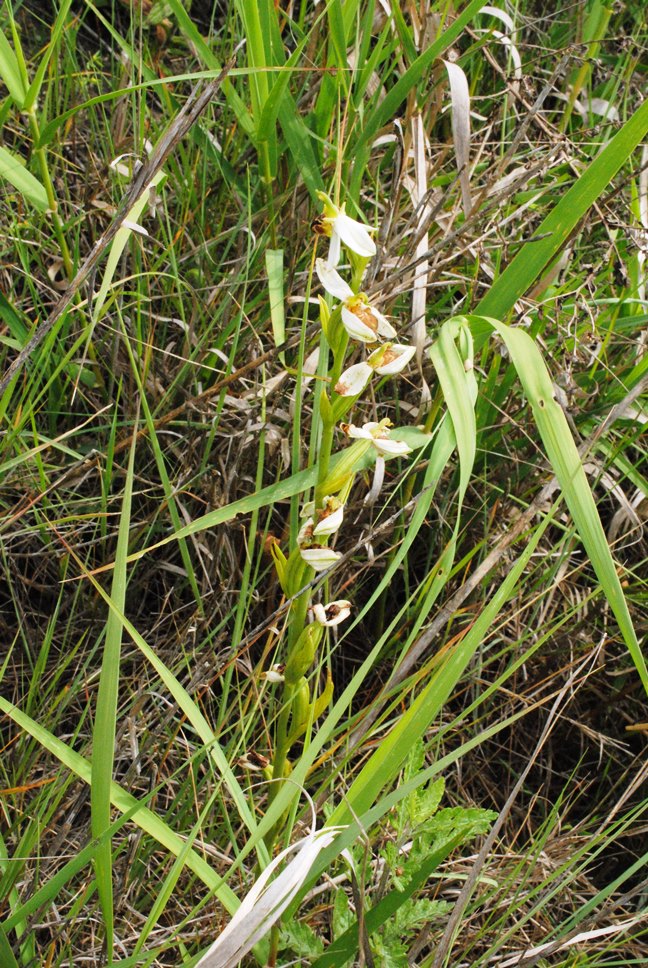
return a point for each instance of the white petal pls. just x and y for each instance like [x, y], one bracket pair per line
[378, 480]
[354, 235]
[332, 280]
[391, 448]
[403, 355]
[361, 433]
[320, 558]
[306, 531]
[274, 674]
[385, 328]
[331, 523]
[334, 250]
[356, 328]
[354, 380]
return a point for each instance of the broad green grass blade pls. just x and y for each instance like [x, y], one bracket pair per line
[568, 468]
[12, 900]
[459, 387]
[148, 821]
[274, 268]
[561, 221]
[6, 954]
[10, 72]
[14, 322]
[13, 169]
[103, 736]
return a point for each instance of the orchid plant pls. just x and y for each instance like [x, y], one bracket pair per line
[350, 322]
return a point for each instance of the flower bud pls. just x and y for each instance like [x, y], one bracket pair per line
[302, 654]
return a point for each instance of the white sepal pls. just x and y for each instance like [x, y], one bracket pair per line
[353, 380]
[332, 614]
[332, 281]
[320, 558]
[330, 522]
[392, 358]
[354, 235]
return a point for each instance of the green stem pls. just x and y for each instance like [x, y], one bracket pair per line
[326, 446]
[59, 228]
[267, 180]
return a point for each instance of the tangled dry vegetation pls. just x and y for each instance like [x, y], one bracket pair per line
[184, 361]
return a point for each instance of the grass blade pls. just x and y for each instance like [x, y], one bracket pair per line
[12, 167]
[10, 72]
[563, 219]
[568, 468]
[145, 819]
[103, 737]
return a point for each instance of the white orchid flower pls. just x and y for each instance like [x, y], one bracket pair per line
[333, 613]
[344, 230]
[378, 434]
[275, 673]
[360, 319]
[354, 380]
[320, 558]
[391, 358]
[329, 517]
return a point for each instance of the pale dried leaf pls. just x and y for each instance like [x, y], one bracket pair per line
[460, 99]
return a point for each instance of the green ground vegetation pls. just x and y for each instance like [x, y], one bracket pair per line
[476, 728]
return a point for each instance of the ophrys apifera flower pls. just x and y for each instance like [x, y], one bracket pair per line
[361, 320]
[378, 434]
[341, 229]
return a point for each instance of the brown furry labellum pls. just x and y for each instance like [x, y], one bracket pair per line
[254, 761]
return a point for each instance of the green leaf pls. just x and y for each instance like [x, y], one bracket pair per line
[274, 268]
[103, 736]
[10, 72]
[566, 463]
[532, 258]
[12, 167]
